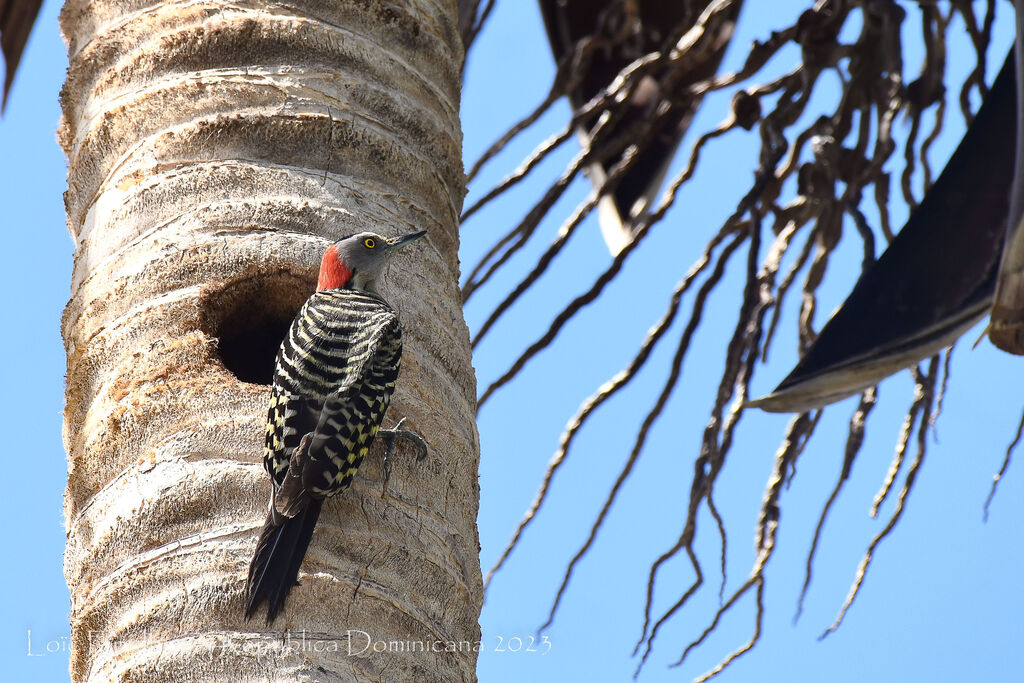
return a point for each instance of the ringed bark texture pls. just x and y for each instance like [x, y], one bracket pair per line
[214, 151]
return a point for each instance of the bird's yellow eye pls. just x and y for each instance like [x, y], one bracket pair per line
[369, 243]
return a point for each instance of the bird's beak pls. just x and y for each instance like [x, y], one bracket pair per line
[399, 242]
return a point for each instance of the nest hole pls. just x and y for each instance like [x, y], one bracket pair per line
[249, 317]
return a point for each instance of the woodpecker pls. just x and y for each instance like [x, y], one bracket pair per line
[333, 379]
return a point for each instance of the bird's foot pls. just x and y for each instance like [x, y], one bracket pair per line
[391, 435]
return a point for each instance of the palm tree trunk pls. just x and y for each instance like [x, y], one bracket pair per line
[212, 148]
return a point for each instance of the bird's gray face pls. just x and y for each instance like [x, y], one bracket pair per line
[367, 254]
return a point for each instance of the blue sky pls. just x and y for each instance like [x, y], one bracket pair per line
[942, 601]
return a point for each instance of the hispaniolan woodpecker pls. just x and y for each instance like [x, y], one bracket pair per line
[332, 383]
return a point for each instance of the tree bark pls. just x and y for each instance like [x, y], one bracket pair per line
[214, 151]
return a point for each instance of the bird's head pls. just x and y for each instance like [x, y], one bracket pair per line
[357, 262]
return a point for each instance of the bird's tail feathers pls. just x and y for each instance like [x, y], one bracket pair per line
[279, 552]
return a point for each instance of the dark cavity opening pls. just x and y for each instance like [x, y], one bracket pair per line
[248, 317]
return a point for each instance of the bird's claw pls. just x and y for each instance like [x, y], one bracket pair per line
[391, 435]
